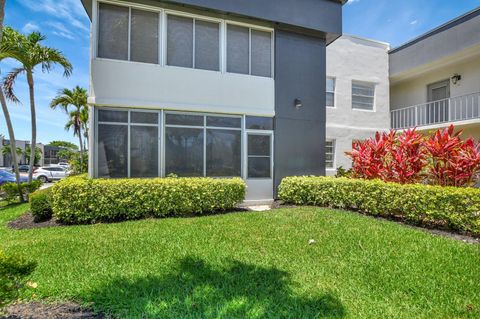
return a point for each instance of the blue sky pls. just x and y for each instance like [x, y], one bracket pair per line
[66, 26]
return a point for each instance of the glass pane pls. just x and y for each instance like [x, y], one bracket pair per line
[183, 119]
[144, 117]
[224, 153]
[259, 167]
[365, 89]
[361, 102]
[113, 32]
[113, 116]
[112, 150]
[207, 45]
[238, 40]
[144, 151]
[259, 123]
[330, 99]
[261, 53]
[144, 36]
[180, 41]
[258, 145]
[218, 121]
[330, 85]
[184, 151]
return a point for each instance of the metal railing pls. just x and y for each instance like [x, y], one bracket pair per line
[459, 108]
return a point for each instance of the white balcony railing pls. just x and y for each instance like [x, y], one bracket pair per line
[460, 108]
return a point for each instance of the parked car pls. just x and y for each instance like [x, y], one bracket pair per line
[7, 177]
[49, 174]
[64, 164]
[23, 168]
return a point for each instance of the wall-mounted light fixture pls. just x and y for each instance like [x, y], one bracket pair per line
[298, 104]
[455, 78]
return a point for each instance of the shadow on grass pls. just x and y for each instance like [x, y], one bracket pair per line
[195, 289]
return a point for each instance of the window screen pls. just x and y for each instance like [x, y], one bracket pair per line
[144, 151]
[112, 150]
[363, 95]
[259, 156]
[180, 41]
[207, 45]
[261, 53]
[184, 151]
[238, 47]
[224, 153]
[144, 36]
[113, 32]
[330, 92]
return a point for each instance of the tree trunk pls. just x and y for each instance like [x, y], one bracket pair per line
[11, 134]
[81, 148]
[33, 144]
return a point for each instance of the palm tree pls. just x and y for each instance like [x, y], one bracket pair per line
[7, 149]
[78, 117]
[30, 53]
[8, 120]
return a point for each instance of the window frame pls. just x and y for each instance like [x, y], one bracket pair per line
[333, 92]
[334, 149]
[374, 84]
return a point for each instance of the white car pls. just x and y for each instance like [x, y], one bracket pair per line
[49, 174]
[64, 165]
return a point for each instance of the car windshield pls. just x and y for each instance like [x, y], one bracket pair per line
[5, 174]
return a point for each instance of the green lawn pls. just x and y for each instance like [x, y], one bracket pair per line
[253, 265]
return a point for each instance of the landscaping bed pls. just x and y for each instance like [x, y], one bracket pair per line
[37, 310]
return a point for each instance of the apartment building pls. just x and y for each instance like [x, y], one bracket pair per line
[6, 158]
[435, 78]
[210, 88]
[357, 91]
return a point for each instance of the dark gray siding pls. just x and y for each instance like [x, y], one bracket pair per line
[299, 134]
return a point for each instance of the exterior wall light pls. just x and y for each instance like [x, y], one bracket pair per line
[298, 104]
[455, 78]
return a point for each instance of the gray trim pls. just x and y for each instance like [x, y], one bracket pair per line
[450, 24]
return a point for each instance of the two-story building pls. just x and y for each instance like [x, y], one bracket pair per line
[215, 88]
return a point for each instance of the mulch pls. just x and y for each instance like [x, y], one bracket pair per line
[26, 222]
[36, 310]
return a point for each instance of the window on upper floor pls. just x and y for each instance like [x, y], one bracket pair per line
[249, 51]
[363, 95]
[330, 92]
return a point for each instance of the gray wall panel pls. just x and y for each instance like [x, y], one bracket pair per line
[299, 134]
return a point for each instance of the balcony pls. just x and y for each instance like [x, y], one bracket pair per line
[454, 109]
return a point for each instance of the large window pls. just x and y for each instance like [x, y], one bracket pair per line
[330, 154]
[197, 145]
[363, 95]
[144, 144]
[132, 34]
[330, 92]
[249, 51]
[193, 43]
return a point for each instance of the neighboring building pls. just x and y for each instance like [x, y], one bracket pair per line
[6, 159]
[210, 88]
[51, 156]
[435, 78]
[357, 89]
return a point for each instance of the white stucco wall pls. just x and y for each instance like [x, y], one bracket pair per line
[354, 59]
[412, 90]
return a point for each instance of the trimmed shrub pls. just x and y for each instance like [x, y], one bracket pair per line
[11, 193]
[13, 273]
[41, 205]
[453, 207]
[80, 200]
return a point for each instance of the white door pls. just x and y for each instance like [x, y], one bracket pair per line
[259, 166]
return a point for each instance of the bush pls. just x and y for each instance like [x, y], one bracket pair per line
[41, 205]
[13, 273]
[11, 193]
[80, 200]
[453, 207]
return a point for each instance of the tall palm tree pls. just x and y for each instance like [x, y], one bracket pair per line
[30, 53]
[78, 117]
[8, 120]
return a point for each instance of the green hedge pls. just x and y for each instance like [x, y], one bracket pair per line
[453, 207]
[80, 200]
[41, 205]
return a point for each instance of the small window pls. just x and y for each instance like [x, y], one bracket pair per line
[113, 116]
[144, 117]
[259, 156]
[330, 154]
[363, 95]
[220, 121]
[259, 123]
[330, 92]
[183, 119]
[249, 51]
[113, 32]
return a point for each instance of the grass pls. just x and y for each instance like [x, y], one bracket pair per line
[253, 265]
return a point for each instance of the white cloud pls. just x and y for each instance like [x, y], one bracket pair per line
[30, 27]
[413, 22]
[61, 30]
[352, 1]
